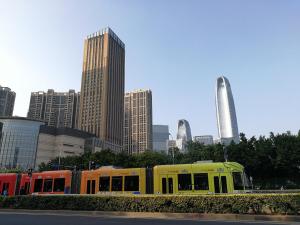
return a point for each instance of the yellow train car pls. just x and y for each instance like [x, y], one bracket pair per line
[109, 179]
[199, 178]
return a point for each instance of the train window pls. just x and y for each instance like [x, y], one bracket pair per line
[224, 184]
[59, 185]
[164, 185]
[201, 181]
[48, 185]
[184, 182]
[131, 183]
[237, 181]
[38, 185]
[217, 184]
[116, 184]
[104, 183]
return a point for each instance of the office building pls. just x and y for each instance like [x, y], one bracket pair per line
[18, 144]
[225, 109]
[57, 109]
[102, 87]
[138, 121]
[160, 137]
[7, 101]
[204, 139]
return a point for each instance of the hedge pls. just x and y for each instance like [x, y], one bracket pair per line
[238, 204]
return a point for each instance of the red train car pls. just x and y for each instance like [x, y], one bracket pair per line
[8, 182]
[47, 182]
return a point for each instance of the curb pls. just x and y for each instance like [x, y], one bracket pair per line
[158, 215]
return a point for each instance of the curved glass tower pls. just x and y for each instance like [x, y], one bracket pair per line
[183, 134]
[184, 130]
[226, 116]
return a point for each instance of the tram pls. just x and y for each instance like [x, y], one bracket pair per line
[197, 178]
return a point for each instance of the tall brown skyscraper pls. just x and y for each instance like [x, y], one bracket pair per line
[138, 121]
[102, 87]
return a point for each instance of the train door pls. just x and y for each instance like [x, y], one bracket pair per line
[220, 183]
[167, 184]
[91, 186]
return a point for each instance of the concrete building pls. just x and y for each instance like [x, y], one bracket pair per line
[7, 101]
[59, 142]
[138, 121]
[57, 109]
[160, 137]
[204, 139]
[225, 109]
[18, 144]
[102, 87]
[171, 144]
[95, 144]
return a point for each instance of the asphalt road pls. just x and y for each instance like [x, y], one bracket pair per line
[69, 219]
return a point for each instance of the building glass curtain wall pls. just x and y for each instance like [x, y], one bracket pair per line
[18, 142]
[226, 116]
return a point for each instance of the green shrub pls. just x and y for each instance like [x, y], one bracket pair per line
[238, 204]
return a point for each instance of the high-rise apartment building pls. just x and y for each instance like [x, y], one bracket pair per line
[226, 116]
[57, 109]
[7, 101]
[102, 87]
[138, 121]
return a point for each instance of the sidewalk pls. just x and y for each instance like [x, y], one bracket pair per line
[157, 215]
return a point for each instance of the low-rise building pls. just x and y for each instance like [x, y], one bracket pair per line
[204, 139]
[60, 142]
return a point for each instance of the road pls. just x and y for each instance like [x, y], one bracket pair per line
[9, 218]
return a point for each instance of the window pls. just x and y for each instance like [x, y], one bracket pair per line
[59, 185]
[104, 183]
[131, 183]
[184, 182]
[237, 181]
[38, 184]
[201, 181]
[48, 185]
[116, 183]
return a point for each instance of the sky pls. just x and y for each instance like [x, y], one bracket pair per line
[175, 48]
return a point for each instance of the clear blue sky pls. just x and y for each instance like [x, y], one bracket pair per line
[175, 48]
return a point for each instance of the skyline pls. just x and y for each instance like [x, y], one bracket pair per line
[253, 46]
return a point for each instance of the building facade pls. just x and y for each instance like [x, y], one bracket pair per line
[7, 101]
[59, 142]
[204, 139]
[102, 87]
[57, 109]
[160, 137]
[225, 109]
[138, 121]
[18, 144]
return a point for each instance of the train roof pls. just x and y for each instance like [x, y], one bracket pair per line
[203, 165]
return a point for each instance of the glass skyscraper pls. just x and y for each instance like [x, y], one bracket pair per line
[226, 116]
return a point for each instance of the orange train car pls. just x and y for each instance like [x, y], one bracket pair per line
[8, 182]
[110, 179]
[47, 182]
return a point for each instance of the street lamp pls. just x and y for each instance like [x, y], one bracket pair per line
[172, 147]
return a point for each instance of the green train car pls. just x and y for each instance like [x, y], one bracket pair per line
[200, 178]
